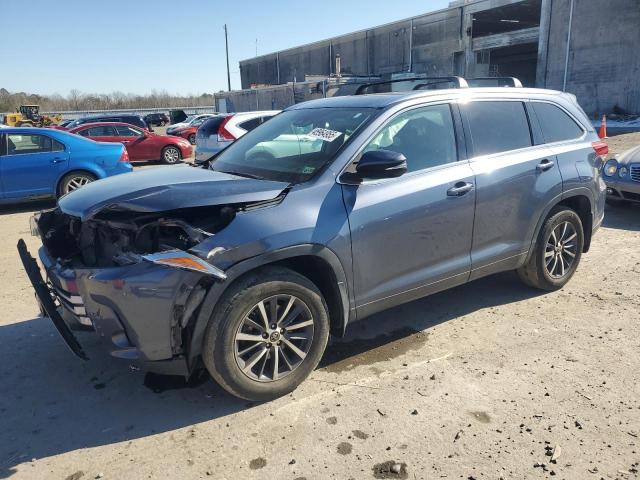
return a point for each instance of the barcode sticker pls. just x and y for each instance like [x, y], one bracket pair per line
[324, 134]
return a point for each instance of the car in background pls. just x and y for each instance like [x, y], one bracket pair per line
[189, 127]
[190, 119]
[622, 177]
[221, 131]
[135, 120]
[160, 119]
[37, 163]
[141, 144]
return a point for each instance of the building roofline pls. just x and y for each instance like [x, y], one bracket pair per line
[364, 30]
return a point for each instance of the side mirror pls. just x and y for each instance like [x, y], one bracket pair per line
[378, 164]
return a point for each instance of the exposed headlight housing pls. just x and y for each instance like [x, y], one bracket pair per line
[623, 171]
[185, 261]
[611, 167]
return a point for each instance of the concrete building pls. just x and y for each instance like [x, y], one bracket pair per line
[588, 47]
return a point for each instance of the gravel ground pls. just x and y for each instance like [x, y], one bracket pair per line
[488, 380]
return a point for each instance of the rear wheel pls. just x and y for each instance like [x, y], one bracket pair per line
[192, 139]
[557, 251]
[267, 334]
[171, 155]
[74, 180]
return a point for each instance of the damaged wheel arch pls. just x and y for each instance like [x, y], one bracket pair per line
[332, 282]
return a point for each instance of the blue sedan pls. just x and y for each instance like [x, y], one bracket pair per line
[37, 163]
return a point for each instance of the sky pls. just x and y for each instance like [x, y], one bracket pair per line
[136, 46]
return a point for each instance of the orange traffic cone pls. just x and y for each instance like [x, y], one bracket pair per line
[603, 127]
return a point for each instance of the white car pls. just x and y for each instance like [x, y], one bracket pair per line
[216, 134]
[190, 121]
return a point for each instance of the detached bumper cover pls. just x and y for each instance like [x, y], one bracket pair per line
[138, 311]
[46, 300]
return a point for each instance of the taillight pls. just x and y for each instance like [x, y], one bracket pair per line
[124, 156]
[225, 135]
[601, 148]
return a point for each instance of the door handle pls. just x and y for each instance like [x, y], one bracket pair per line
[460, 189]
[545, 165]
[57, 160]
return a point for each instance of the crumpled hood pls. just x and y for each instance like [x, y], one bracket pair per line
[167, 188]
[630, 156]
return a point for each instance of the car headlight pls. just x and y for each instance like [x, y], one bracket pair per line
[611, 167]
[185, 261]
[623, 171]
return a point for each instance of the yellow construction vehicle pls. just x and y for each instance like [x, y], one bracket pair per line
[29, 116]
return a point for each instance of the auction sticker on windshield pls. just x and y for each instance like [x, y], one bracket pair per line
[324, 134]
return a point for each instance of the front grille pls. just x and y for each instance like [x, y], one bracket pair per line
[635, 173]
[73, 303]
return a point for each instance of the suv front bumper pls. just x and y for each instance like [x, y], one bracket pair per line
[137, 310]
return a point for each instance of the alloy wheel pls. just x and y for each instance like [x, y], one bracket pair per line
[561, 250]
[171, 155]
[274, 338]
[76, 182]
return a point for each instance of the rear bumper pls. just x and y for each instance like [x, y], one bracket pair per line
[205, 153]
[135, 309]
[623, 189]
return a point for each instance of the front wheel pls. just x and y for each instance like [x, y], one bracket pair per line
[73, 181]
[267, 334]
[557, 251]
[171, 155]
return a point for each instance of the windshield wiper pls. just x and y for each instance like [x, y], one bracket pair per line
[241, 174]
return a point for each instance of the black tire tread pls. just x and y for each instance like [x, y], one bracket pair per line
[235, 294]
[530, 273]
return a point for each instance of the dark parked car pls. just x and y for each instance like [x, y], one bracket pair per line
[622, 176]
[160, 119]
[135, 120]
[364, 203]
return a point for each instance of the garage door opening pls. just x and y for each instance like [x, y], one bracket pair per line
[518, 61]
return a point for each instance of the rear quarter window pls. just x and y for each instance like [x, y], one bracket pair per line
[210, 126]
[556, 124]
[249, 125]
[498, 126]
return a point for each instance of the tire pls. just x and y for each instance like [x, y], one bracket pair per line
[557, 251]
[171, 155]
[222, 351]
[74, 180]
[192, 139]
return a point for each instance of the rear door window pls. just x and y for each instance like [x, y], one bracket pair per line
[556, 124]
[101, 131]
[497, 126]
[24, 144]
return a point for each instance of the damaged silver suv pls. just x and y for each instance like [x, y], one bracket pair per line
[330, 212]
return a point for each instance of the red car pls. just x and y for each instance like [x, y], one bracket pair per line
[141, 145]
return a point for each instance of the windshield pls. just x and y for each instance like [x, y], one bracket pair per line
[189, 119]
[294, 145]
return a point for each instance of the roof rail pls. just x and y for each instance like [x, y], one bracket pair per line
[495, 82]
[428, 82]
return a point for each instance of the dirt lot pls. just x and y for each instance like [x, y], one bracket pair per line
[484, 381]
